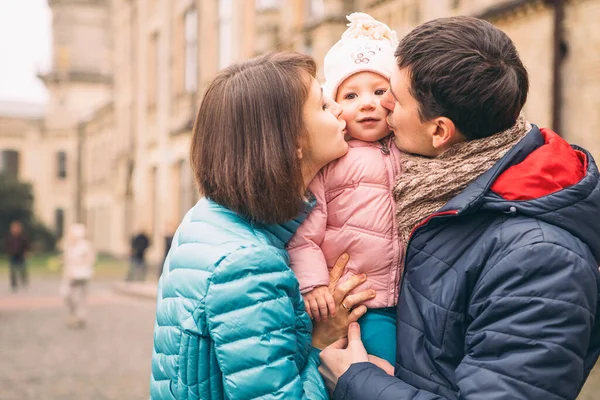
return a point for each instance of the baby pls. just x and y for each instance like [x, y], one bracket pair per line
[355, 207]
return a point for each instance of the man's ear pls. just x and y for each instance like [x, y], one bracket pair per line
[299, 153]
[445, 134]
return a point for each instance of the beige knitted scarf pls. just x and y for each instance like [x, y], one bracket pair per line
[427, 184]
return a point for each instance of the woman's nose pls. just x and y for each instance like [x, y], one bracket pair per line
[336, 109]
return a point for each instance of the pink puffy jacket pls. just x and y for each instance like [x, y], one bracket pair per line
[355, 213]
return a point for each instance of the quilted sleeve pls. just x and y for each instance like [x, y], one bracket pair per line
[252, 322]
[532, 316]
[306, 258]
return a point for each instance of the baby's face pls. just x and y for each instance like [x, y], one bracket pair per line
[360, 98]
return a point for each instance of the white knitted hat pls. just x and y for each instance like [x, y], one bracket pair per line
[367, 45]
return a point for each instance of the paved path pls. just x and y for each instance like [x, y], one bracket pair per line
[40, 358]
[108, 360]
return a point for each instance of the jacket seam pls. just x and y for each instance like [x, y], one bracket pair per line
[428, 379]
[355, 185]
[528, 338]
[350, 381]
[359, 229]
[420, 331]
[272, 361]
[431, 301]
[303, 246]
[511, 377]
[281, 328]
[209, 280]
[262, 274]
[385, 388]
[482, 278]
[570, 204]
[535, 297]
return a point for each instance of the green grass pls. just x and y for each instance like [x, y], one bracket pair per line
[49, 264]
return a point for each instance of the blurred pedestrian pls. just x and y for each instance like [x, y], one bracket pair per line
[137, 266]
[16, 246]
[79, 257]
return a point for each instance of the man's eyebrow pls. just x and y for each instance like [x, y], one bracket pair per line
[321, 99]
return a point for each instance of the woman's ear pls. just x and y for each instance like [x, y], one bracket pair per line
[299, 152]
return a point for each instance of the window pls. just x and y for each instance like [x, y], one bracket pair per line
[9, 164]
[187, 196]
[153, 199]
[267, 4]
[191, 50]
[153, 69]
[225, 33]
[61, 164]
[314, 9]
[59, 222]
[308, 45]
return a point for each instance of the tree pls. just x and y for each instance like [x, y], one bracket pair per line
[16, 204]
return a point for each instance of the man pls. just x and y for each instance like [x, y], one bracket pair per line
[137, 267]
[16, 245]
[500, 220]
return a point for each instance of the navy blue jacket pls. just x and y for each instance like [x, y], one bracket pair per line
[500, 295]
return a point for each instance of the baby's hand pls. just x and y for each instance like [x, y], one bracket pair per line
[319, 303]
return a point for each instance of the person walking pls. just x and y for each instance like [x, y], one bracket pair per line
[16, 246]
[79, 257]
[137, 268]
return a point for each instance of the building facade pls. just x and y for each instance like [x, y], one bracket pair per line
[128, 76]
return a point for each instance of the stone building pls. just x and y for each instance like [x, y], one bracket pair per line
[128, 76]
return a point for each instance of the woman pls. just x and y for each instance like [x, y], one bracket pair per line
[230, 319]
[78, 260]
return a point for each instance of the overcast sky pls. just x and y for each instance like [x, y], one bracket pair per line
[25, 48]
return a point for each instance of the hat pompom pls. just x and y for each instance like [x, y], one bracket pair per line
[363, 25]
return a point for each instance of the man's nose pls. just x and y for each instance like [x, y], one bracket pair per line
[387, 101]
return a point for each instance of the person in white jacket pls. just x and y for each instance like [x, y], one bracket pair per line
[78, 260]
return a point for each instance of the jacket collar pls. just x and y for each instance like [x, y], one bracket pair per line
[473, 195]
[281, 234]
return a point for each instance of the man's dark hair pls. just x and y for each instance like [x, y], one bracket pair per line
[467, 70]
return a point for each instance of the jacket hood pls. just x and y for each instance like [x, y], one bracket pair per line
[545, 178]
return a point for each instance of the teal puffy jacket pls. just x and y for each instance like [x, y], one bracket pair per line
[230, 320]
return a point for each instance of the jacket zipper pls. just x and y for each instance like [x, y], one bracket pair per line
[384, 147]
[395, 279]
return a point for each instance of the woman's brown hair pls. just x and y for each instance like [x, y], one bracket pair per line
[247, 133]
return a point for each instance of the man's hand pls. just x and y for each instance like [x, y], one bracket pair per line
[339, 356]
[319, 303]
[383, 364]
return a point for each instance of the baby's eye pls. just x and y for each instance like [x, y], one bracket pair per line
[325, 106]
[380, 92]
[350, 96]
